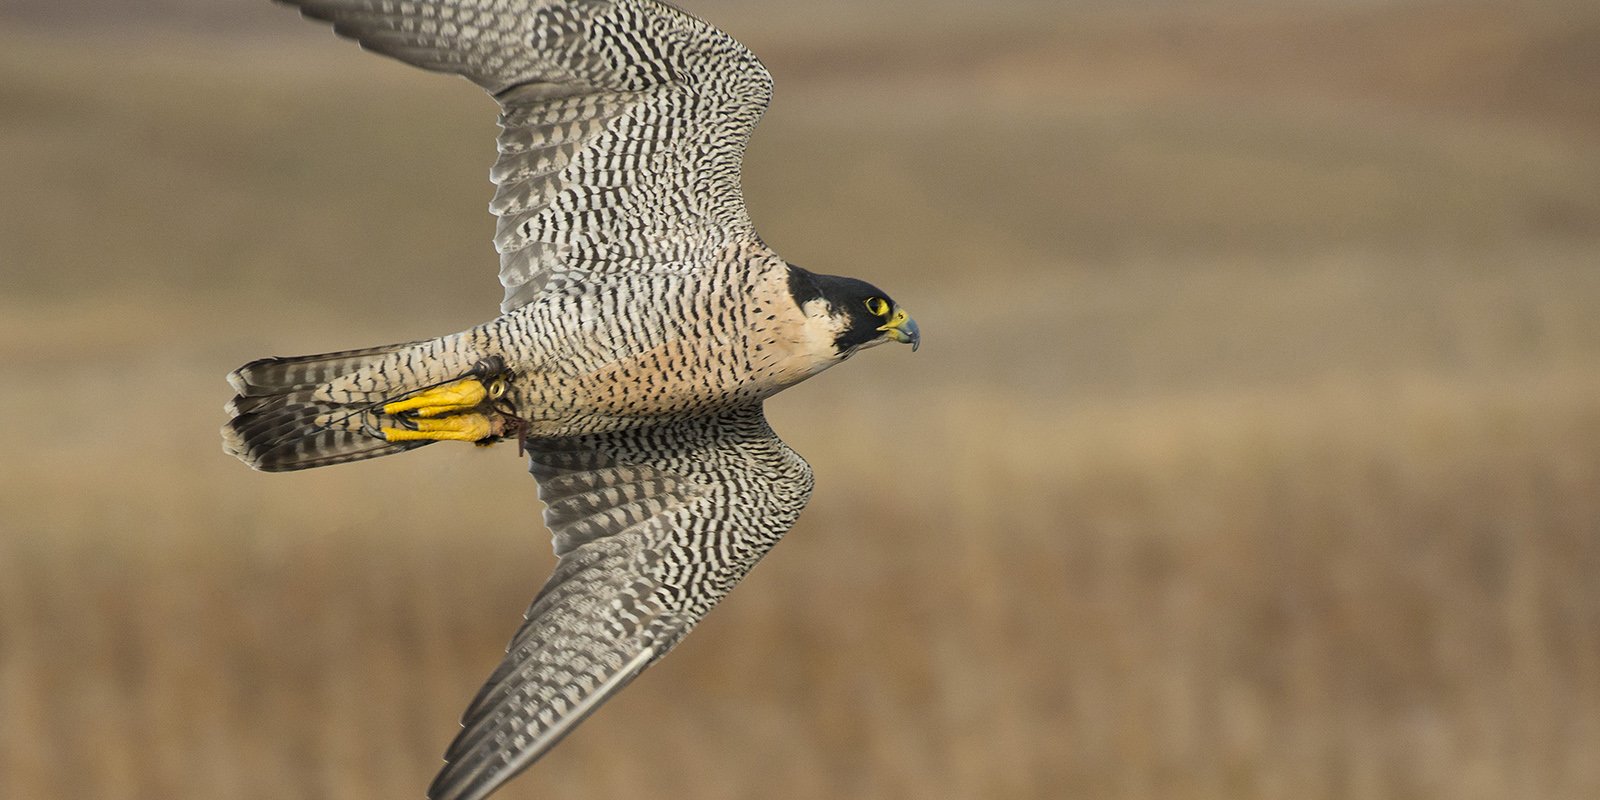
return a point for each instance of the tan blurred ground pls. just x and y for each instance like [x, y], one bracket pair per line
[1254, 451]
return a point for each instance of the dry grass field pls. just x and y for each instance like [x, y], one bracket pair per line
[1253, 452]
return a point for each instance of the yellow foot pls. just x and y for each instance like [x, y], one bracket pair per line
[457, 428]
[452, 398]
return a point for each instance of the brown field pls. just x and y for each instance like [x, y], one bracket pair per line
[1253, 452]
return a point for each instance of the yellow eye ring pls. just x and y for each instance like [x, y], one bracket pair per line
[878, 306]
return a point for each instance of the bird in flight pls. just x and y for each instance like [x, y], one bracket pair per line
[643, 325]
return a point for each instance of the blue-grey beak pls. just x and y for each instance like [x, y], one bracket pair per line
[903, 329]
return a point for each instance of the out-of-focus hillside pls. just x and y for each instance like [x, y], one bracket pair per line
[1254, 451]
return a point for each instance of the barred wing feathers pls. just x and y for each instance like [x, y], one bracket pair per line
[653, 527]
[624, 124]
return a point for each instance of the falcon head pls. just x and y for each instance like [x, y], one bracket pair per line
[852, 314]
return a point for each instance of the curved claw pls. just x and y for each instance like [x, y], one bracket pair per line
[457, 428]
[463, 395]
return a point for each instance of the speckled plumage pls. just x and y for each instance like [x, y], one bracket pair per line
[643, 324]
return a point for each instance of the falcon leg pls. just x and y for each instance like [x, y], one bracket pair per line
[451, 398]
[454, 428]
[467, 410]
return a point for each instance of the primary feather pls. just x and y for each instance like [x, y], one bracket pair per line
[623, 128]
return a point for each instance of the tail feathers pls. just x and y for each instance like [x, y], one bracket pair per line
[301, 433]
[278, 423]
[268, 376]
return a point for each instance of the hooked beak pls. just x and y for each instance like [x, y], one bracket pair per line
[903, 329]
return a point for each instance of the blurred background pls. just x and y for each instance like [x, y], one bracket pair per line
[1253, 452]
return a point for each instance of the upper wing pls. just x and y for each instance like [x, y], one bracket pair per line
[624, 124]
[653, 527]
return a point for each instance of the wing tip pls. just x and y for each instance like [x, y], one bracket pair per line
[471, 778]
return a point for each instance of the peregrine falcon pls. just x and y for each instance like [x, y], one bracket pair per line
[643, 325]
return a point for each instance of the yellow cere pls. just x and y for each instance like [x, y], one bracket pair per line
[900, 318]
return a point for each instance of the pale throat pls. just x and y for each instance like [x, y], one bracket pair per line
[820, 329]
[798, 343]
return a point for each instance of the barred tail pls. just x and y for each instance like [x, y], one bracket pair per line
[279, 423]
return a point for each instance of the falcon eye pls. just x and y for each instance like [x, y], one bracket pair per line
[878, 306]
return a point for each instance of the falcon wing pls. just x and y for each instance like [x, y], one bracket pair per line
[653, 527]
[623, 128]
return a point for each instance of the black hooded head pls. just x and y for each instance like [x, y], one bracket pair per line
[865, 312]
